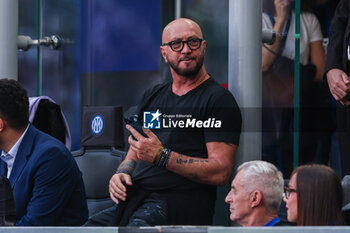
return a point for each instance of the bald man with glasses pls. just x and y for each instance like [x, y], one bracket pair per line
[191, 147]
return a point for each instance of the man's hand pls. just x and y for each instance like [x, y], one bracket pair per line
[145, 148]
[117, 186]
[339, 85]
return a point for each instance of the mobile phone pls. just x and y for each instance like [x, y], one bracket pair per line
[134, 121]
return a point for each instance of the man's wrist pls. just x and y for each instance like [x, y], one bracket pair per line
[127, 167]
[156, 158]
[122, 171]
[162, 158]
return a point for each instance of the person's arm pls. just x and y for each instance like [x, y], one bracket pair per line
[317, 56]
[338, 80]
[336, 37]
[119, 181]
[214, 170]
[53, 184]
[269, 52]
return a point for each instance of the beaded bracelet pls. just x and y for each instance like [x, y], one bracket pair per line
[165, 163]
[156, 158]
[163, 158]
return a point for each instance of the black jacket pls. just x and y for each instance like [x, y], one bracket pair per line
[338, 39]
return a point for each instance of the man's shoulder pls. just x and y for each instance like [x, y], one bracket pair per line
[213, 87]
[41, 143]
[47, 139]
[157, 88]
[47, 154]
[217, 92]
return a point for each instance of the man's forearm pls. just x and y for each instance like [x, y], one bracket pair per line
[214, 170]
[127, 166]
[192, 168]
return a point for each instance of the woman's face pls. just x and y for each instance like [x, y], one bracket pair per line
[291, 199]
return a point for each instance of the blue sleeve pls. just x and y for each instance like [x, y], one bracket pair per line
[53, 183]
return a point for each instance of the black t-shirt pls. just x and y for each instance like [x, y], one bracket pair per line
[207, 113]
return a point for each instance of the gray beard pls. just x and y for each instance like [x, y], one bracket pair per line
[188, 73]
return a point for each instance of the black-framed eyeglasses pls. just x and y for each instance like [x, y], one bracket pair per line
[288, 191]
[178, 45]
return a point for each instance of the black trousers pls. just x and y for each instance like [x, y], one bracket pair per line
[167, 207]
[190, 207]
[343, 131]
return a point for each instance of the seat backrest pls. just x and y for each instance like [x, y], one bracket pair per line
[102, 127]
[99, 158]
[97, 167]
[47, 116]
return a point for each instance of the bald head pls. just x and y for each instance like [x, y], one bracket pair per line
[179, 28]
[187, 59]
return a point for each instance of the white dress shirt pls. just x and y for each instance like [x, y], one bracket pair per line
[9, 157]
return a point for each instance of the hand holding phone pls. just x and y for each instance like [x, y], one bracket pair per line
[133, 120]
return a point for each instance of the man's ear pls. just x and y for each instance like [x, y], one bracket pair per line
[255, 198]
[204, 44]
[162, 50]
[2, 124]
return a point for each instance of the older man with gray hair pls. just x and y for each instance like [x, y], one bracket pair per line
[256, 194]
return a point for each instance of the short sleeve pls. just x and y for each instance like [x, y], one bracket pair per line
[266, 22]
[224, 119]
[314, 28]
[147, 97]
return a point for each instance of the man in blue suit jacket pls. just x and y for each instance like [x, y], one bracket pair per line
[47, 185]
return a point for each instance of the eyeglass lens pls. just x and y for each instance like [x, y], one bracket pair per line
[288, 191]
[192, 43]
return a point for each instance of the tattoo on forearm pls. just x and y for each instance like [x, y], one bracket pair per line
[180, 160]
[127, 165]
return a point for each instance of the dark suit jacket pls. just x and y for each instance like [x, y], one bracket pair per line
[337, 58]
[47, 184]
[338, 39]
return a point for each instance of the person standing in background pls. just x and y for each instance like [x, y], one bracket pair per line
[337, 72]
[278, 111]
